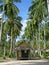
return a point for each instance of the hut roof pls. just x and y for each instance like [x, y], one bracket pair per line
[23, 41]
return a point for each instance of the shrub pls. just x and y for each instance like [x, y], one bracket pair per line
[44, 54]
[37, 55]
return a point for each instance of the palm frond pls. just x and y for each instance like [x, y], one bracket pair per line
[16, 10]
[1, 0]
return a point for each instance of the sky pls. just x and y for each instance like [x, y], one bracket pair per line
[23, 7]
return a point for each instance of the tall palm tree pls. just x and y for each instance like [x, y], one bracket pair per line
[11, 11]
[4, 38]
[16, 27]
[36, 11]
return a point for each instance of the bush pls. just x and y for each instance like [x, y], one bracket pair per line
[44, 54]
[1, 54]
[12, 55]
[37, 55]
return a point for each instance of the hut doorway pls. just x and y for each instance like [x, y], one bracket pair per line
[25, 54]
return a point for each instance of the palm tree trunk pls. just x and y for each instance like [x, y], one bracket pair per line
[33, 45]
[3, 17]
[44, 34]
[0, 37]
[2, 22]
[37, 39]
[4, 51]
[14, 40]
[44, 38]
[0, 31]
[11, 43]
[39, 51]
[48, 6]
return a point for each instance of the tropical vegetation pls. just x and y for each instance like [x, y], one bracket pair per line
[12, 26]
[36, 32]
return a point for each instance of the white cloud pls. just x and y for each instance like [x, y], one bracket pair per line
[24, 26]
[22, 31]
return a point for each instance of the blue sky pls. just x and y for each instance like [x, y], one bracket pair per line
[23, 7]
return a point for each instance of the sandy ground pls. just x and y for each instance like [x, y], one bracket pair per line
[26, 62]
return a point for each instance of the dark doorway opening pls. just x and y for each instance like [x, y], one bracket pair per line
[25, 54]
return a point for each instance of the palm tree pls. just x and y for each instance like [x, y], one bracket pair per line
[11, 11]
[36, 11]
[4, 38]
[16, 27]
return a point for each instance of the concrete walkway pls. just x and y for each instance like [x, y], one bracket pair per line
[26, 62]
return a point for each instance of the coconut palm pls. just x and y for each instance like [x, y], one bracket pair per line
[14, 31]
[11, 11]
[36, 12]
[4, 38]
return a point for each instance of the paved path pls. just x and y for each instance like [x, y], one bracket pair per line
[26, 62]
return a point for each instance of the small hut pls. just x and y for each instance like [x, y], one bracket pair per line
[23, 50]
